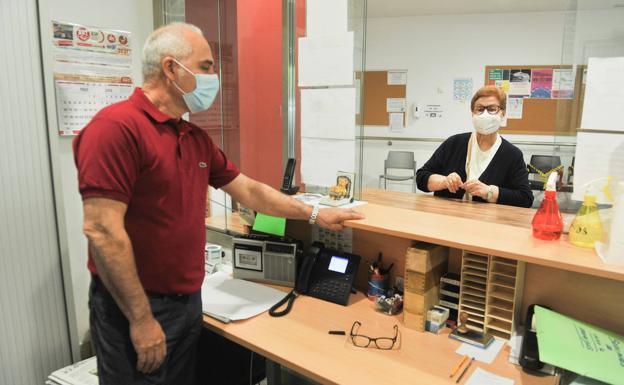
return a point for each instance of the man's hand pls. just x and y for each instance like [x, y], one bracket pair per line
[453, 182]
[332, 218]
[476, 188]
[149, 343]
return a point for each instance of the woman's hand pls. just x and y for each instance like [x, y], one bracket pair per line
[453, 182]
[478, 189]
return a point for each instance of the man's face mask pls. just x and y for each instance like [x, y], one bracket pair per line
[205, 92]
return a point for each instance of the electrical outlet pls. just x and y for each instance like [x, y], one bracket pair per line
[398, 282]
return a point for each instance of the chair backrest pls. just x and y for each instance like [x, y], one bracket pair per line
[400, 160]
[544, 163]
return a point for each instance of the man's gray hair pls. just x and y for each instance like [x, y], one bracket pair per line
[168, 40]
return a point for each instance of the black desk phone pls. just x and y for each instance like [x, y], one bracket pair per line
[289, 175]
[325, 274]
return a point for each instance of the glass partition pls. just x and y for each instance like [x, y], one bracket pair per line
[246, 118]
[537, 52]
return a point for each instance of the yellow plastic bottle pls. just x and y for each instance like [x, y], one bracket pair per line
[586, 228]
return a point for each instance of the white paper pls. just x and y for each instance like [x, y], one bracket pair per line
[484, 355]
[231, 299]
[326, 17]
[78, 102]
[92, 69]
[433, 111]
[514, 108]
[328, 113]
[80, 373]
[396, 121]
[598, 155]
[462, 89]
[395, 105]
[563, 83]
[520, 83]
[604, 95]
[321, 159]
[326, 60]
[397, 77]
[483, 377]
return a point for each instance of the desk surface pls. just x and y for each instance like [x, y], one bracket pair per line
[300, 342]
[500, 230]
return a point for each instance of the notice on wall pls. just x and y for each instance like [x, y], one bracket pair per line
[396, 121]
[433, 111]
[604, 95]
[520, 83]
[315, 67]
[497, 75]
[563, 83]
[92, 69]
[514, 108]
[541, 83]
[397, 78]
[395, 105]
[462, 89]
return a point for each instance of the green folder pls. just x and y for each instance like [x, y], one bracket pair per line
[579, 347]
[270, 225]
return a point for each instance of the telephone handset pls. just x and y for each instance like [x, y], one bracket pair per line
[325, 274]
[289, 175]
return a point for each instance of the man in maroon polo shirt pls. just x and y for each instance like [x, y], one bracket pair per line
[143, 174]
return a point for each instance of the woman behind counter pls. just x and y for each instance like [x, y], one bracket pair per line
[479, 166]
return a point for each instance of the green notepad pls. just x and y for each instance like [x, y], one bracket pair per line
[579, 347]
[270, 225]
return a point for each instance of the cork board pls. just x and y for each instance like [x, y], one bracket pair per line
[374, 93]
[546, 116]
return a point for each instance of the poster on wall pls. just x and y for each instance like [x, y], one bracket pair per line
[514, 108]
[92, 69]
[500, 78]
[462, 89]
[541, 83]
[563, 83]
[520, 83]
[433, 111]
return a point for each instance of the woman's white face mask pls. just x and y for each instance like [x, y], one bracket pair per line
[486, 123]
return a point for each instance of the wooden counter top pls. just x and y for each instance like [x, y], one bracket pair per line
[500, 230]
[300, 342]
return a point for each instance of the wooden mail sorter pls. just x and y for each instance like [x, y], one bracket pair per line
[491, 292]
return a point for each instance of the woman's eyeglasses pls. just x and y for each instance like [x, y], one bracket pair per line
[362, 341]
[493, 109]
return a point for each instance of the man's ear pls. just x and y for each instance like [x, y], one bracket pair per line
[167, 65]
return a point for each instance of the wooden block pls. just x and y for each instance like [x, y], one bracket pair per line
[420, 303]
[421, 282]
[423, 257]
[414, 321]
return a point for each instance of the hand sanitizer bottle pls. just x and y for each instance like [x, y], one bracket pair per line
[547, 222]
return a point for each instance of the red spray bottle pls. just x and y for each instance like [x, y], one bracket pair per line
[547, 222]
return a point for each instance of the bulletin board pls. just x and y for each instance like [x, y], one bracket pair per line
[374, 93]
[546, 116]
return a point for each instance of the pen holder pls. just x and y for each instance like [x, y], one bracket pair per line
[376, 286]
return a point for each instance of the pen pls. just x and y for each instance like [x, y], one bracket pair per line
[464, 371]
[461, 362]
[337, 332]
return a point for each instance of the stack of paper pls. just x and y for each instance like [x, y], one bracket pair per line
[81, 373]
[228, 299]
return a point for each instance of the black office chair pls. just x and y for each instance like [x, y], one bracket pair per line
[543, 163]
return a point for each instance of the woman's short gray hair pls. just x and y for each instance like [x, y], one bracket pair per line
[168, 40]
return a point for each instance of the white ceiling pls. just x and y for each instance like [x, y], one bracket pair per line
[402, 8]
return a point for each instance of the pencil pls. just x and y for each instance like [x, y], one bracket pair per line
[464, 371]
[461, 362]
